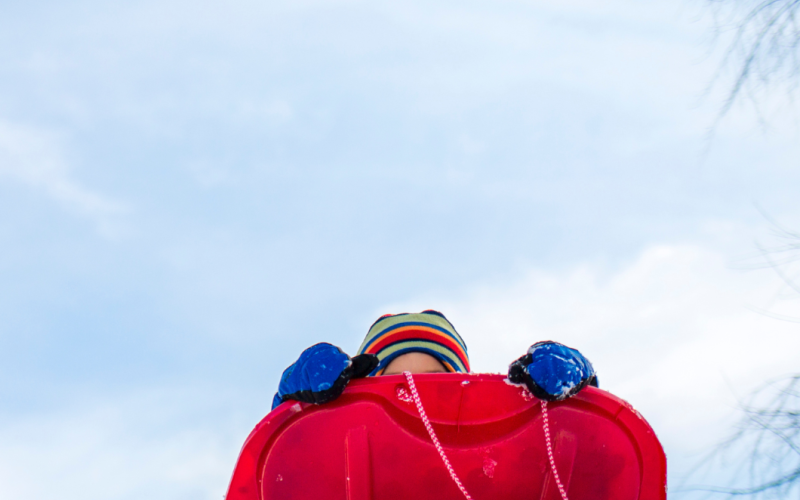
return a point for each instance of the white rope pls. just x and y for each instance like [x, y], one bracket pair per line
[432, 434]
[546, 425]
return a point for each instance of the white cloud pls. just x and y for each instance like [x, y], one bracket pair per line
[159, 444]
[33, 157]
[672, 332]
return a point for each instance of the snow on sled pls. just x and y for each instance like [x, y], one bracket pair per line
[371, 444]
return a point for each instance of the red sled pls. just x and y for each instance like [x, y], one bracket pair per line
[371, 444]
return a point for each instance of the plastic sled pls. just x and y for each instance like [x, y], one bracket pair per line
[370, 444]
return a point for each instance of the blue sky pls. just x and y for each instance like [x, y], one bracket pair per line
[193, 192]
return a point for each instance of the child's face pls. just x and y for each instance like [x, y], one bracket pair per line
[414, 362]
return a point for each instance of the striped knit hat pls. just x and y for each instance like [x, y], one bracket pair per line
[427, 332]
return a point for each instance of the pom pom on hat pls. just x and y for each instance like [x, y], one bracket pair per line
[428, 332]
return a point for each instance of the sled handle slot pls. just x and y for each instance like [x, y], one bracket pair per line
[357, 474]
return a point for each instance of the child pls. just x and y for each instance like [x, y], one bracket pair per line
[425, 342]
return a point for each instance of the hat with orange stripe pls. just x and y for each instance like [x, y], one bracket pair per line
[427, 332]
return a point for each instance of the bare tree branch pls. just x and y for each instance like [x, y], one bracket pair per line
[769, 436]
[765, 46]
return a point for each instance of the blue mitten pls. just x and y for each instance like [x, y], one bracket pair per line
[320, 374]
[552, 371]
